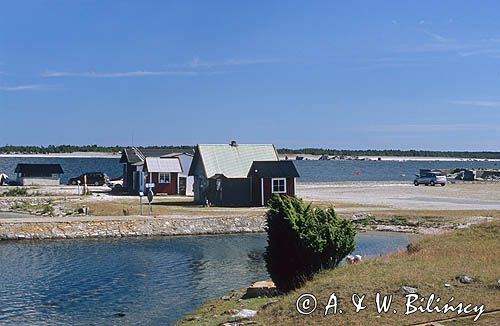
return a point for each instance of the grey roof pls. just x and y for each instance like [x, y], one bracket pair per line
[134, 155]
[39, 168]
[231, 161]
[177, 154]
[156, 164]
[269, 169]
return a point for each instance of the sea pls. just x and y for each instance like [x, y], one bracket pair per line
[135, 281]
[309, 170]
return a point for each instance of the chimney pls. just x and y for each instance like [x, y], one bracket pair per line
[233, 143]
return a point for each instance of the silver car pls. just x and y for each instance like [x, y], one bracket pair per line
[430, 179]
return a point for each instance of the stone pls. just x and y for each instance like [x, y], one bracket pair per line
[268, 304]
[245, 313]
[261, 289]
[409, 289]
[465, 279]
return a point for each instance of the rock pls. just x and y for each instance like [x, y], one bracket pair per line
[268, 304]
[465, 279]
[261, 289]
[226, 297]
[409, 289]
[231, 312]
[245, 313]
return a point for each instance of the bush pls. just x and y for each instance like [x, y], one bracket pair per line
[16, 192]
[303, 240]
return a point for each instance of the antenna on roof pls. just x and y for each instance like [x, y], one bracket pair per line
[233, 143]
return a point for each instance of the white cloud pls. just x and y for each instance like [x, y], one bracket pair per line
[438, 38]
[486, 46]
[138, 73]
[426, 128]
[18, 88]
[489, 104]
[198, 63]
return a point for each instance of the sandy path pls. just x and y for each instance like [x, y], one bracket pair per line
[395, 195]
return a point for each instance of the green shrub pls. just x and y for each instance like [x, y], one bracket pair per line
[16, 192]
[303, 240]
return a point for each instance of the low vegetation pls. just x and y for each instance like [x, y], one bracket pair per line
[15, 192]
[39, 209]
[431, 265]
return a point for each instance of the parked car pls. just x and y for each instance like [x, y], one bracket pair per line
[431, 179]
[93, 178]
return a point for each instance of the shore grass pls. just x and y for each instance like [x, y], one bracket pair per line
[431, 263]
[162, 205]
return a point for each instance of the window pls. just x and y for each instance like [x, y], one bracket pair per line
[164, 177]
[279, 186]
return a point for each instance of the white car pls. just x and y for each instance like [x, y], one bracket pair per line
[431, 179]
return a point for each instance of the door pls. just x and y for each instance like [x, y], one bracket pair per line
[182, 185]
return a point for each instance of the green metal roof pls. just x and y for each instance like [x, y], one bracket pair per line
[234, 161]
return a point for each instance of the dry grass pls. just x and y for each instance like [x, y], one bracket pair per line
[433, 262]
[162, 205]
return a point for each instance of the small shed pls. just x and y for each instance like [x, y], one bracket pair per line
[185, 181]
[38, 174]
[134, 160]
[272, 177]
[164, 173]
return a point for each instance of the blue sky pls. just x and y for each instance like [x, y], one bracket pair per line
[350, 75]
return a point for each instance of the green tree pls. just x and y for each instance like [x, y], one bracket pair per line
[303, 240]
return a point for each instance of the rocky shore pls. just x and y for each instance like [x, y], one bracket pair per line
[18, 229]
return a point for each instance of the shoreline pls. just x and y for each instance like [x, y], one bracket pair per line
[57, 212]
[291, 157]
[88, 227]
[311, 157]
[82, 228]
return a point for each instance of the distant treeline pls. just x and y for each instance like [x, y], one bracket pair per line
[9, 149]
[390, 152]
[53, 149]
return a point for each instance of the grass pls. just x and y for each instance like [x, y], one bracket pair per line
[428, 265]
[45, 208]
[162, 205]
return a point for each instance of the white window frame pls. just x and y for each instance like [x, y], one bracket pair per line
[284, 185]
[164, 180]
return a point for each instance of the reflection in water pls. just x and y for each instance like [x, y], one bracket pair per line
[136, 280]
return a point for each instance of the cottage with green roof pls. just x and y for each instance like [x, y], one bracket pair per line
[222, 173]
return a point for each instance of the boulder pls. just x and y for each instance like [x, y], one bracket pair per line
[245, 313]
[465, 279]
[409, 290]
[261, 289]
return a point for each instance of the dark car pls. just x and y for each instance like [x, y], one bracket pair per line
[93, 178]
